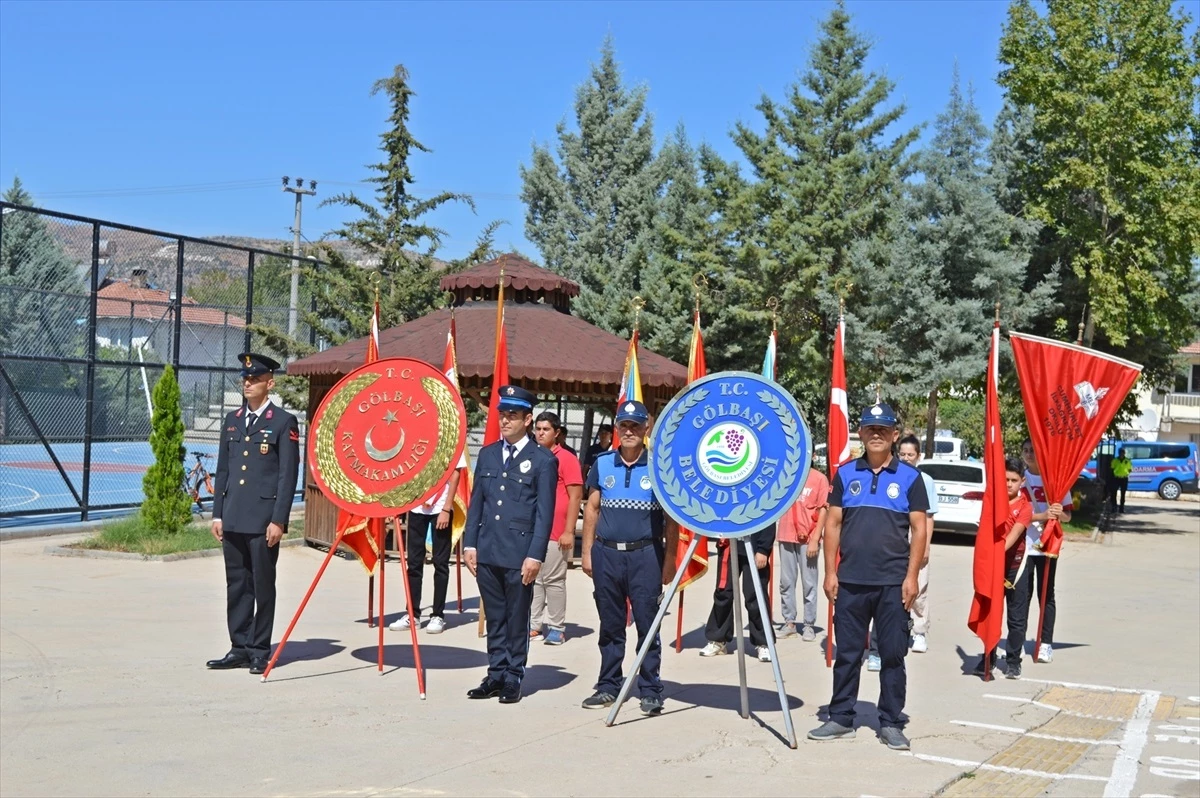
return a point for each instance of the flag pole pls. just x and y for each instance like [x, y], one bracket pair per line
[828, 454]
[381, 535]
[458, 546]
[699, 282]
[481, 630]
[412, 619]
[638, 303]
[773, 306]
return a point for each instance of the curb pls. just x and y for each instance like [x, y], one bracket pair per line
[100, 554]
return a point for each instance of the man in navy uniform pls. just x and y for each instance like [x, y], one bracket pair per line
[508, 529]
[625, 536]
[873, 504]
[257, 466]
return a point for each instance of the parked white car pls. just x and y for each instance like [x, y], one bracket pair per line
[947, 448]
[959, 486]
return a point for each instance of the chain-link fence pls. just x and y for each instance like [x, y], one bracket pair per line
[89, 312]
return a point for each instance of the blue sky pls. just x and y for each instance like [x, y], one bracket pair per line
[99, 98]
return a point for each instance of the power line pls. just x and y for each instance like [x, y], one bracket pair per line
[238, 185]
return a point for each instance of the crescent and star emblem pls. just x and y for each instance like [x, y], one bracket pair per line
[383, 455]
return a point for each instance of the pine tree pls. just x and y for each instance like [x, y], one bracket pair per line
[824, 179]
[166, 507]
[40, 288]
[952, 254]
[1113, 88]
[591, 213]
[395, 240]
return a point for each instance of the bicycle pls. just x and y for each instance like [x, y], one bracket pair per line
[198, 475]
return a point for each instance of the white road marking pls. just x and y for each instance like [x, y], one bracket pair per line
[1079, 686]
[1125, 767]
[1034, 734]
[1043, 705]
[966, 763]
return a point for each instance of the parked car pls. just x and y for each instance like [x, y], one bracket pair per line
[821, 461]
[947, 448]
[1164, 467]
[959, 487]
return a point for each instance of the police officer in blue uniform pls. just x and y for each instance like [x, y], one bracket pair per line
[625, 536]
[257, 466]
[874, 502]
[505, 540]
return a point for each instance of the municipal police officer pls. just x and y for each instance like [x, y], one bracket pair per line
[508, 529]
[623, 547]
[257, 466]
[873, 504]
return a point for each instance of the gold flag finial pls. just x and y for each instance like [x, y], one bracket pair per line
[699, 284]
[773, 306]
[638, 303]
[878, 394]
[376, 278]
[997, 312]
[1082, 325]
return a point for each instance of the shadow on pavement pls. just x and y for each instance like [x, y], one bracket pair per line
[400, 655]
[727, 696]
[308, 650]
[545, 677]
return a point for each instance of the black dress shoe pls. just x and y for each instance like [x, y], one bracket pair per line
[258, 664]
[510, 693]
[488, 688]
[228, 662]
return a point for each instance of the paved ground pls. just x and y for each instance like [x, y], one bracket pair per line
[104, 692]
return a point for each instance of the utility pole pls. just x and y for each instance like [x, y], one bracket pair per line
[294, 301]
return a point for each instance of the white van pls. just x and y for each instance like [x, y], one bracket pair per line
[946, 449]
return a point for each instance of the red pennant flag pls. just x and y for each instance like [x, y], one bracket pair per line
[362, 535]
[987, 606]
[491, 430]
[1071, 395]
[462, 494]
[696, 568]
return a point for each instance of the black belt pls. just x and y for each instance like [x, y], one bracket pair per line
[632, 545]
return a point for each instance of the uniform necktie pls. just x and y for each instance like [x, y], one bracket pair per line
[509, 452]
[251, 419]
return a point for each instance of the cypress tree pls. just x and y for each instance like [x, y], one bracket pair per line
[166, 507]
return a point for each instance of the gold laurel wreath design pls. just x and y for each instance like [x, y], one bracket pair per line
[346, 489]
[791, 466]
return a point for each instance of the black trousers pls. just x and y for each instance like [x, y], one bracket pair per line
[856, 607]
[1118, 485]
[419, 526]
[1018, 610]
[634, 577]
[506, 604]
[250, 585]
[719, 628]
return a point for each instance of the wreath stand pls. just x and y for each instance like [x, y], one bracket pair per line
[735, 576]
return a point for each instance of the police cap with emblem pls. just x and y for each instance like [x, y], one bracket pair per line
[879, 414]
[253, 365]
[514, 398]
[632, 411]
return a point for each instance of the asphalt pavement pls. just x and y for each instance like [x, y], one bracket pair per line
[104, 691]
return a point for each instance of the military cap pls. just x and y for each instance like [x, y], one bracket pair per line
[514, 398]
[254, 364]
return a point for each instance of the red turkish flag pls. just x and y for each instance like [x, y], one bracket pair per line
[1070, 395]
[837, 438]
[987, 606]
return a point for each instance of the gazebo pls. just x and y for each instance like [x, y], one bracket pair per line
[550, 352]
